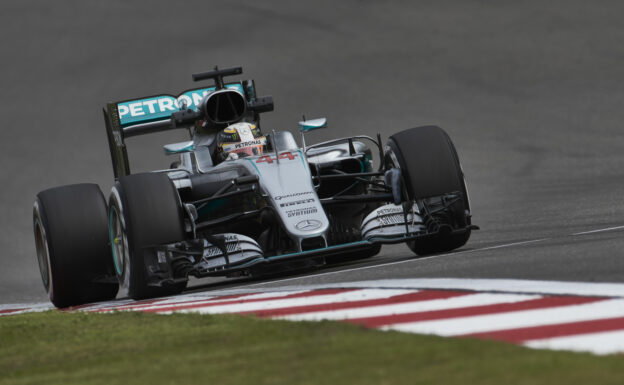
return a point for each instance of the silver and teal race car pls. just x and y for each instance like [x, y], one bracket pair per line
[287, 207]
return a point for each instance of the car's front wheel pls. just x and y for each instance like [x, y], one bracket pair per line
[144, 210]
[433, 176]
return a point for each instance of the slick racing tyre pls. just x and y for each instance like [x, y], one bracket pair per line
[430, 168]
[144, 210]
[71, 239]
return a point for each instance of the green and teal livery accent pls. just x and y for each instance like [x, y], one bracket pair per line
[313, 124]
[179, 148]
[161, 107]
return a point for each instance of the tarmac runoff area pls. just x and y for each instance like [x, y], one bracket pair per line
[574, 316]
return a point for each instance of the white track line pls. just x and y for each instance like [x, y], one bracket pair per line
[357, 295]
[11, 306]
[512, 244]
[480, 299]
[183, 300]
[482, 285]
[588, 289]
[600, 230]
[515, 319]
[414, 260]
[598, 343]
[25, 308]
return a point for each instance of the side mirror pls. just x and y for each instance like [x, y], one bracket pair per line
[178, 148]
[313, 124]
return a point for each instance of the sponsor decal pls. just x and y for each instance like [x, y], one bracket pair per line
[283, 156]
[161, 106]
[391, 220]
[308, 225]
[394, 210]
[301, 211]
[214, 251]
[230, 147]
[293, 195]
[295, 203]
[231, 245]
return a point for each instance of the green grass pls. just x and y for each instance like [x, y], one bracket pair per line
[136, 348]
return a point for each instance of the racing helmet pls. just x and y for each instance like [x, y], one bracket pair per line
[239, 140]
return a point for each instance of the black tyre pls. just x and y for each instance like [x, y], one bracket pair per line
[71, 239]
[439, 244]
[144, 210]
[430, 167]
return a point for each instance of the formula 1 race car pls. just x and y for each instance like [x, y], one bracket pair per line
[238, 202]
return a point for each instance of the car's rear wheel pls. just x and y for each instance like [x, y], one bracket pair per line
[430, 168]
[70, 226]
[144, 210]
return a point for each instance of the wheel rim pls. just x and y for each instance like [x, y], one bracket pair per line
[119, 242]
[41, 245]
[391, 161]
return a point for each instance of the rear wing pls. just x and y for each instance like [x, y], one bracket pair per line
[127, 118]
[160, 107]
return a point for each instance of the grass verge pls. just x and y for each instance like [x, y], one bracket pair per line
[137, 348]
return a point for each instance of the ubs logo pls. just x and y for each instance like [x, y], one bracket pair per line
[308, 225]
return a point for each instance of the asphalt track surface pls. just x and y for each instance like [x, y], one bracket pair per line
[530, 92]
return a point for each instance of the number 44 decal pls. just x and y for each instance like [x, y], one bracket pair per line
[283, 155]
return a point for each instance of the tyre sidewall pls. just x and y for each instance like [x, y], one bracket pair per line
[122, 263]
[72, 220]
[40, 225]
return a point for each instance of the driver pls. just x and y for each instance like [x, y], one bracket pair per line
[239, 140]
